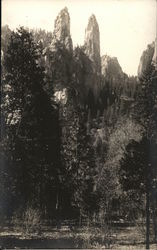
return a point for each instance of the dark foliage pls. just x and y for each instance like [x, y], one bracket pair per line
[31, 144]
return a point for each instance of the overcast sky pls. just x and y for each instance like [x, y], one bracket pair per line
[126, 26]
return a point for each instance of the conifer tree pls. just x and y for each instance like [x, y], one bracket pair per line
[31, 142]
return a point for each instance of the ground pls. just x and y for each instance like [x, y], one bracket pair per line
[120, 238]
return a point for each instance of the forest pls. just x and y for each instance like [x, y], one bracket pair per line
[78, 146]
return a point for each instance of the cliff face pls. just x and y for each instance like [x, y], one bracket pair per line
[82, 69]
[92, 43]
[110, 68]
[5, 36]
[146, 60]
[155, 54]
[61, 31]
[58, 57]
[85, 70]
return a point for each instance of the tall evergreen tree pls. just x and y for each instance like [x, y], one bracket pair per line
[147, 116]
[32, 131]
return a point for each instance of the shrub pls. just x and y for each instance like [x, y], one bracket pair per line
[29, 222]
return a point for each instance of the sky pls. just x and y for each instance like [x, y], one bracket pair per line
[126, 26]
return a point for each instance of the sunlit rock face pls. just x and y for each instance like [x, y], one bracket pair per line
[62, 30]
[155, 54]
[92, 43]
[145, 61]
[61, 96]
[2, 58]
[110, 68]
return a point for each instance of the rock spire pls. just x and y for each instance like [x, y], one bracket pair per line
[155, 54]
[61, 31]
[146, 60]
[92, 42]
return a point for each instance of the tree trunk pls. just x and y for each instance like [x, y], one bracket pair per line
[147, 218]
[154, 221]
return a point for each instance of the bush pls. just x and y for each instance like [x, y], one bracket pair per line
[31, 220]
[28, 222]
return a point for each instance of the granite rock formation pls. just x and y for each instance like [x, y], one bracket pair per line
[145, 61]
[110, 68]
[92, 43]
[155, 54]
[82, 68]
[61, 31]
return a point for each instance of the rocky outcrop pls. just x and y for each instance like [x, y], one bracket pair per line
[91, 77]
[2, 55]
[61, 31]
[5, 37]
[61, 96]
[145, 61]
[58, 56]
[92, 43]
[110, 68]
[155, 54]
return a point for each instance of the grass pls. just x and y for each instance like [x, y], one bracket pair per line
[120, 238]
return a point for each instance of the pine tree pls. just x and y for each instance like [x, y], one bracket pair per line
[146, 112]
[31, 142]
